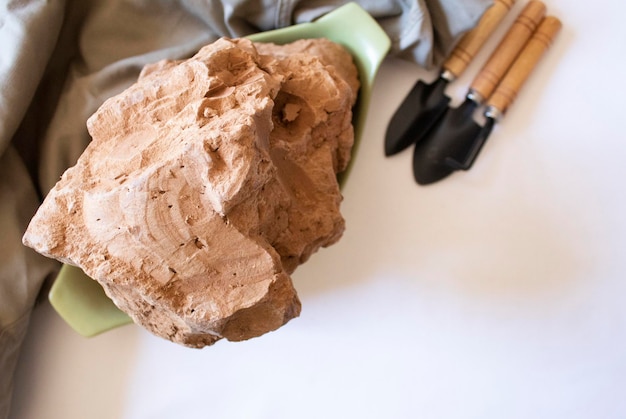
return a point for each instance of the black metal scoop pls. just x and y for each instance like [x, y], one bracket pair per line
[422, 107]
[455, 142]
[426, 103]
[447, 146]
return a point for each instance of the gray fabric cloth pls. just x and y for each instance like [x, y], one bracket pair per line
[60, 59]
[21, 270]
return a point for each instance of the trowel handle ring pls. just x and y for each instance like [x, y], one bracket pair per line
[523, 66]
[508, 49]
[472, 42]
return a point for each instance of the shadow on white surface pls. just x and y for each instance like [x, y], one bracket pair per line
[95, 371]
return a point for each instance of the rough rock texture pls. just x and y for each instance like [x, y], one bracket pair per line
[206, 184]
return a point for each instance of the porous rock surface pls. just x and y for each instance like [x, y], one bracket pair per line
[206, 184]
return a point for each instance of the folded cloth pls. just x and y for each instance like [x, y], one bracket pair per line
[21, 270]
[60, 59]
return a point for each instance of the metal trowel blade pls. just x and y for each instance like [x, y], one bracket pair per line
[451, 138]
[419, 111]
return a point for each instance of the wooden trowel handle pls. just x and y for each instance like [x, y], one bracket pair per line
[524, 64]
[505, 53]
[472, 41]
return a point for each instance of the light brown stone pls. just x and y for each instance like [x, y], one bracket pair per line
[206, 184]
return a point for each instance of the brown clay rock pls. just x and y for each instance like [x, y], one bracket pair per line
[206, 184]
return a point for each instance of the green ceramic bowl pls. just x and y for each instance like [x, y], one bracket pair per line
[82, 303]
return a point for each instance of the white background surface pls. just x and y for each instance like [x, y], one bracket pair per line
[496, 293]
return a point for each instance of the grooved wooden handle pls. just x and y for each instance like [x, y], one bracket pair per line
[507, 90]
[505, 53]
[471, 43]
